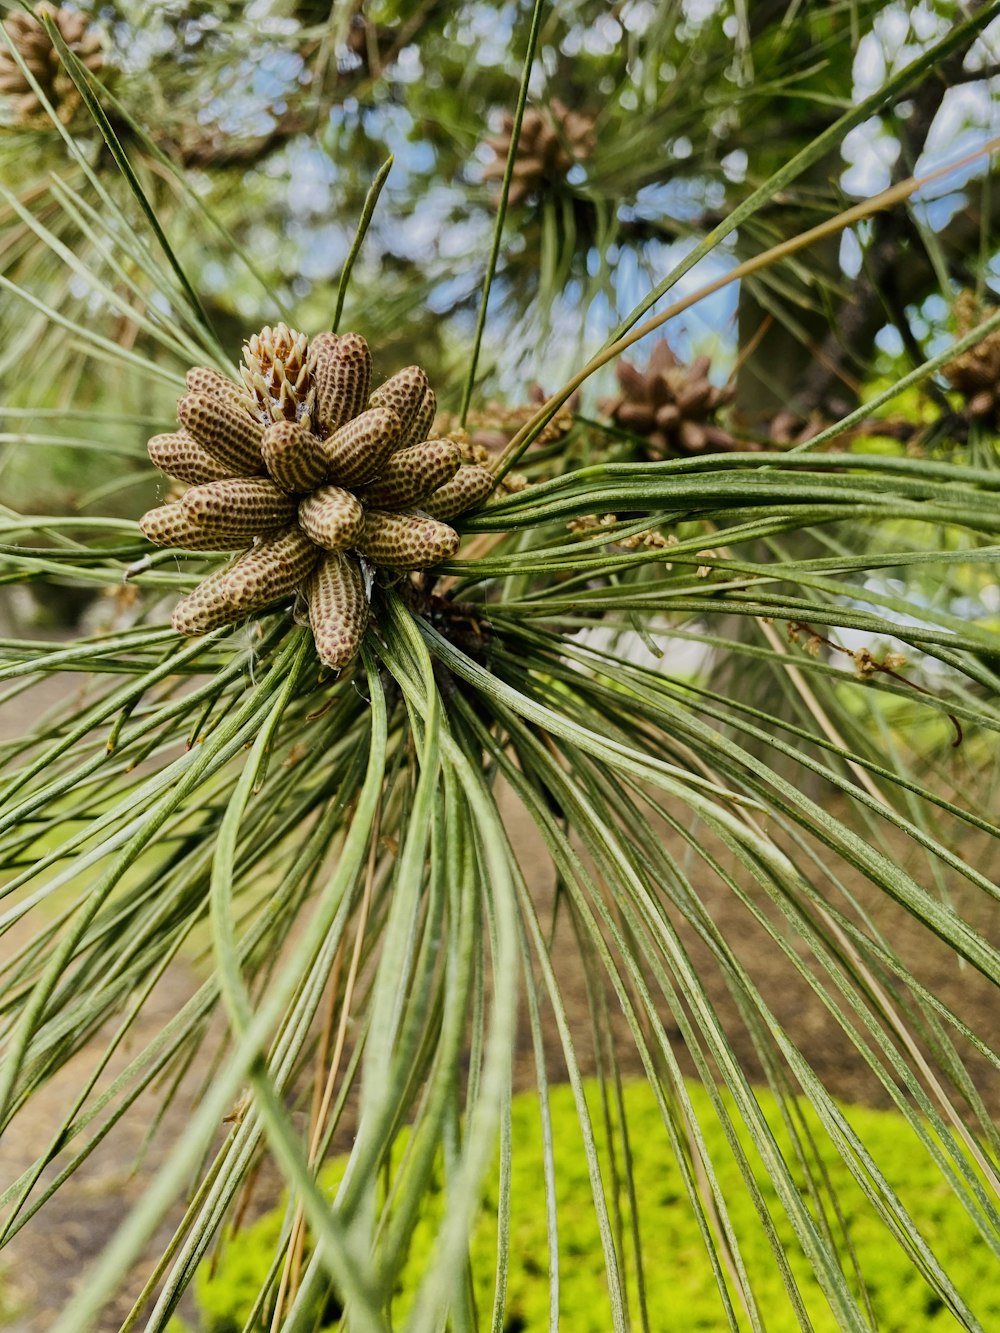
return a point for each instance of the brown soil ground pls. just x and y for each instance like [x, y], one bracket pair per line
[49, 1257]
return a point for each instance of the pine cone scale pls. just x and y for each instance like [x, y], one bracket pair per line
[205, 608]
[270, 570]
[239, 503]
[423, 420]
[169, 525]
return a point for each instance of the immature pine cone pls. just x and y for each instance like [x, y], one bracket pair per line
[551, 141]
[672, 405]
[975, 373]
[317, 481]
[42, 58]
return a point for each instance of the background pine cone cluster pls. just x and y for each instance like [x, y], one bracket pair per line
[318, 480]
[673, 406]
[488, 431]
[43, 60]
[975, 373]
[551, 141]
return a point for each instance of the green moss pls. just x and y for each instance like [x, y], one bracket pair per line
[681, 1294]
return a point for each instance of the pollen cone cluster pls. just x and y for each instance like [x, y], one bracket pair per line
[43, 60]
[316, 480]
[491, 429]
[551, 141]
[975, 373]
[672, 405]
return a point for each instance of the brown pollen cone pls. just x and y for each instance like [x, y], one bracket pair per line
[552, 140]
[671, 405]
[36, 49]
[975, 373]
[314, 480]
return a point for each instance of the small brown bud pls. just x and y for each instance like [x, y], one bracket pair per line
[632, 380]
[528, 172]
[694, 397]
[692, 436]
[982, 404]
[275, 373]
[35, 48]
[671, 404]
[699, 367]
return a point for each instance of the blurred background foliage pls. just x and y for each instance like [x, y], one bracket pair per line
[273, 119]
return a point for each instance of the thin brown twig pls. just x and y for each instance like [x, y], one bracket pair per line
[873, 666]
[752, 343]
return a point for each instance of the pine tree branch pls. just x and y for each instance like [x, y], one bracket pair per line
[898, 270]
